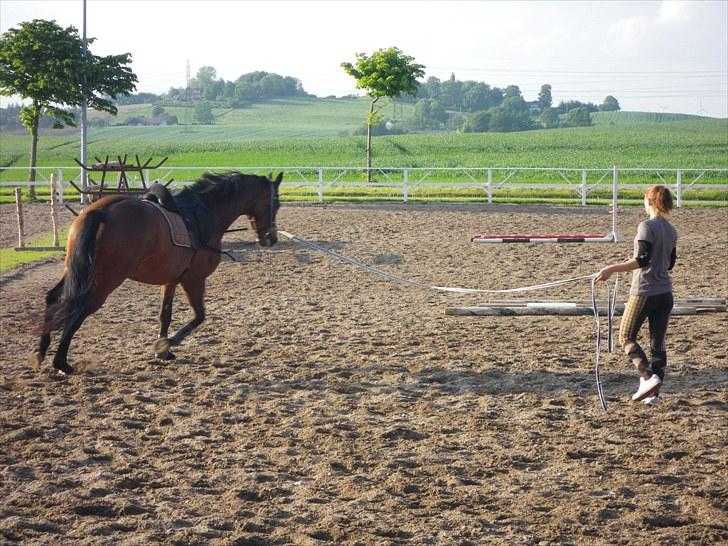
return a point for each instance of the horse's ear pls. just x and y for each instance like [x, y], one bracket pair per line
[279, 178]
[270, 176]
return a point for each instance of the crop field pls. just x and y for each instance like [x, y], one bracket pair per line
[258, 139]
[635, 118]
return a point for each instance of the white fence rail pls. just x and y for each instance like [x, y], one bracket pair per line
[405, 181]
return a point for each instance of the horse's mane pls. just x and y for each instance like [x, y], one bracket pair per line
[216, 187]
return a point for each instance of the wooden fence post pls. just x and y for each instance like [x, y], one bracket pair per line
[19, 211]
[54, 210]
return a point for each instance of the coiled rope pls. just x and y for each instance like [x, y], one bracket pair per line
[611, 295]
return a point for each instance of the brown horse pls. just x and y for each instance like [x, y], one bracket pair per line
[121, 237]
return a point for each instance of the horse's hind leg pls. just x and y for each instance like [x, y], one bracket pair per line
[60, 361]
[161, 346]
[52, 297]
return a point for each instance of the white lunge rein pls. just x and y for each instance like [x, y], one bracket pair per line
[611, 295]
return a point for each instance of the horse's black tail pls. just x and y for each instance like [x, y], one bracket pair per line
[79, 280]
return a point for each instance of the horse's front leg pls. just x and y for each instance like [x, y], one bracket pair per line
[195, 291]
[161, 346]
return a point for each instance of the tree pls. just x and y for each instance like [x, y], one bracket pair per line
[610, 104]
[578, 117]
[544, 97]
[386, 73]
[549, 118]
[512, 91]
[481, 96]
[203, 114]
[429, 114]
[45, 63]
[479, 122]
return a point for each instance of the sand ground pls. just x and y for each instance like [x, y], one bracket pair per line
[319, 404]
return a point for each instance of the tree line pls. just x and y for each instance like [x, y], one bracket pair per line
[473, 106]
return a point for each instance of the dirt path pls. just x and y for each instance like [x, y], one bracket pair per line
[321, 405]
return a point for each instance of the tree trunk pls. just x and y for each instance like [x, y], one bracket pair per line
[370, 120]
[33, 153]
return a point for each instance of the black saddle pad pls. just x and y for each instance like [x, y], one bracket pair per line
[196, 215]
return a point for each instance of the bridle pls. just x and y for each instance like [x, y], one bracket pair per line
[272, 227]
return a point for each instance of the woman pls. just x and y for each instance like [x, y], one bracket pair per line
[650, 296]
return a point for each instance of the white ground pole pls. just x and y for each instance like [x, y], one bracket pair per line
[612, 237]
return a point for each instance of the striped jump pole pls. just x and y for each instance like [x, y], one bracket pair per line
[612, 237]
[551, 238]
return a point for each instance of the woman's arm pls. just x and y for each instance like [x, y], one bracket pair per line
[610, 270]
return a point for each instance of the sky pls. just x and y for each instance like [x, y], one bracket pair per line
[658, 56]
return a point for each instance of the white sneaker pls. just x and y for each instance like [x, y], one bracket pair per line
[651, 400]
[646, 387]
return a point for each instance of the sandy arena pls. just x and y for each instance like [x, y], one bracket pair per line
[322, 405]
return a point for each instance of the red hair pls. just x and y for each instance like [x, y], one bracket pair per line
[660, 197]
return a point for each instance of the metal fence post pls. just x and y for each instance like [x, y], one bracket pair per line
[679, 188]
[583, 187]
[321, 185]
[490, 185]
[405, 179]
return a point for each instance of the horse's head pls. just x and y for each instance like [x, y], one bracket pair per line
[263, 217]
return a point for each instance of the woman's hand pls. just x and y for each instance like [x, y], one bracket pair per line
[604, 274]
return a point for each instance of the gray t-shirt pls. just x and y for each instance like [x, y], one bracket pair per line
[654, 278]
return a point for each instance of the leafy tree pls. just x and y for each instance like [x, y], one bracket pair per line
[384, 73]
[578, 117]
[452, 93]
[565, 107]
[157, 110]
[514, 104]
[544, 97]
[549, 118]
[479, 122]
[512, 91]
[429, 114]
[481, 96]
[45, 63]
[431, 89]
[506, 121]
[203, 113]
[610, 104]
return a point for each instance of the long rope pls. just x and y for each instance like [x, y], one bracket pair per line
[611, 300]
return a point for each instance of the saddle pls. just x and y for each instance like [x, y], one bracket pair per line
[185, 203]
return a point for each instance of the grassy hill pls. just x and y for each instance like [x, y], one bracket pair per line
[291, 118]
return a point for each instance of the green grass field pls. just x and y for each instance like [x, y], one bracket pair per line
[302, 133]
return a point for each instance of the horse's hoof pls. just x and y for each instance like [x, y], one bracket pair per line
[64, 369]
[35, 360]
[162, 346]
[165, 356]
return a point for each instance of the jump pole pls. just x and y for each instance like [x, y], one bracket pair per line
[571, 309]
[612, 237]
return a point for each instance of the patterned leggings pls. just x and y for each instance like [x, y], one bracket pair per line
[657, 310]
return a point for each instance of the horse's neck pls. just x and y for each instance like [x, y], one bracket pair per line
[226, 214]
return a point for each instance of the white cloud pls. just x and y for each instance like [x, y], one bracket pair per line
[674, 11]
[626, 34]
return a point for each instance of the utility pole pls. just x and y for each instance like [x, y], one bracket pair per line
[84, 138]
